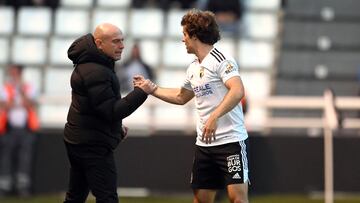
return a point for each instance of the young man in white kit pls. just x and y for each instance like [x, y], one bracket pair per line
[213, 79]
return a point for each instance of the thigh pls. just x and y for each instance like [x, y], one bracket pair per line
[205, 173]
[233, 160]
[102, 178]
[234, 163]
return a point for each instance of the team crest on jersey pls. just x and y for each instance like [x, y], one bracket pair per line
[202, 70]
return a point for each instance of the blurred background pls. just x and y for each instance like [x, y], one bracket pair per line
[289, 52]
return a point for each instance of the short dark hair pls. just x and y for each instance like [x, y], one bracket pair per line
[202, 25]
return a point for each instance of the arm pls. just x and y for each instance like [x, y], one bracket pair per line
[28, 95]
[5, 103]
[230, 100]
[127, 105]
[178, 96]
[105, 101]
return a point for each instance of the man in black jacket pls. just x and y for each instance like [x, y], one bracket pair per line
[94, 123]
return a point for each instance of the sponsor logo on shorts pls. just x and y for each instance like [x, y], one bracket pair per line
[236, 176]
[234, 163]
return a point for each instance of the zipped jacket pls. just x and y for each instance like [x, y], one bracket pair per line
[97, 108]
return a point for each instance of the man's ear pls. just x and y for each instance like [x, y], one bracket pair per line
[98, 43]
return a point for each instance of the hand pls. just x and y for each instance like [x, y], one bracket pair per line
[209, 130]
[145, 84]
[137, 80]
[125, 132]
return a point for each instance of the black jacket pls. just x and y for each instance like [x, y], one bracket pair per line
[97, 109]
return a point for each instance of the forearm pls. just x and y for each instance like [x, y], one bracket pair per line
[231, 99]
[170, 95]
[128, 104]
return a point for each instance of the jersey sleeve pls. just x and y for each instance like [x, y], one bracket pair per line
[228, 69]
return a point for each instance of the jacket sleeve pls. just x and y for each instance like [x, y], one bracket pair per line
[106, 102]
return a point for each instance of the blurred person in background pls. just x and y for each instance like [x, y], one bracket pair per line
[228, 14]
[213, 78]
[18, 122]
[94, 122]
[135, 65]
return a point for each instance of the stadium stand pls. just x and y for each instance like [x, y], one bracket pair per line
[319, 50]
[180, 59]
[113, 3]
[323, 9]
[30, 51]
[173, 19]
[7, 19]
[313, 64]
[42, 45]
[299, 51]
[71, 22]
[256, 54]
[147, 23]
[150, 52]
[323, 51]
[260, 25]
[40, 19]
[118, 17]
[58, 51]
[4, 50]
[321, 35]
[77, 3]
[34, 74]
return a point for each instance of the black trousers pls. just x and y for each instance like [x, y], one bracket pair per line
[92, 169]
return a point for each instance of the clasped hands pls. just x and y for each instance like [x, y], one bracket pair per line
[145, 84]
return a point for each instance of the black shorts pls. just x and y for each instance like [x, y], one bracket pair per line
[219, 166]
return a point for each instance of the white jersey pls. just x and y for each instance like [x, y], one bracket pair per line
[207, 81]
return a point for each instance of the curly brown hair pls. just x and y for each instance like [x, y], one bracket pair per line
[202, 25]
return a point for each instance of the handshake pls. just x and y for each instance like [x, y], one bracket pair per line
[145, 84]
